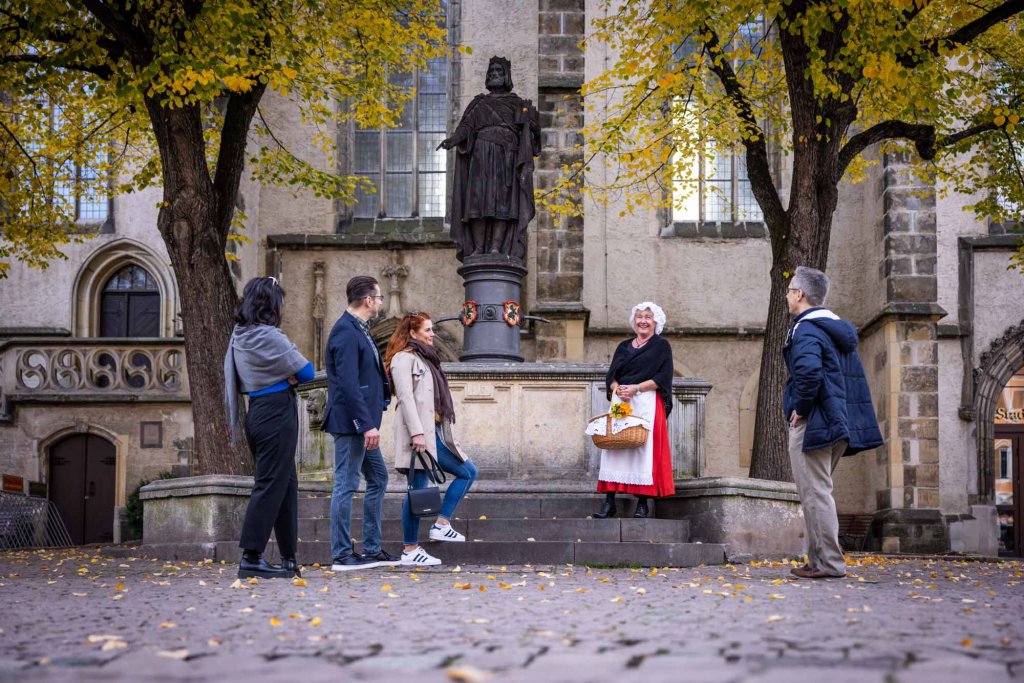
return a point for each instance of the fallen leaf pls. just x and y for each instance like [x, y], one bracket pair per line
[481, 587]
[467, 674]
[483, 517]
[773, 618]
[967, 642]
[180, 655]
[314, 622]
[102, 639]
[274, 621]
[237, 584]
[80, 595]
[214, 642]
[114, 645]
[168, 624]
[458, 568]
[617, 599]
[299, 582]
[641, 591]
[386, 587]
[119, 586]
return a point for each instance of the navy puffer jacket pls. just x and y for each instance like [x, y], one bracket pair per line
[827, 385]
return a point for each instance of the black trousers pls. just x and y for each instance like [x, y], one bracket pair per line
[272, 430]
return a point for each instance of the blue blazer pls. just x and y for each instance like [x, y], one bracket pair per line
[827, 385]
[358, 392]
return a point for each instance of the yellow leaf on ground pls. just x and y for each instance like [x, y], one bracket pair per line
[386, 587]
[314, 622]
[299, 582]
[467, 674]
[617, 599]
[274, 621]
[483, 516]
[967, 642]
[119, 586]
[482, 588]
[168, 624]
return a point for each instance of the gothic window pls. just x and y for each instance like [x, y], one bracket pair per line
[714, 187]
[406, 169]
[130, 304]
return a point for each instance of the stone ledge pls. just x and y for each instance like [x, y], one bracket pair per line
[930, 312]
[354, 241]
[737, 486]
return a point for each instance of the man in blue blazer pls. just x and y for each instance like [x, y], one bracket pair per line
[357, 396]
[828, 404]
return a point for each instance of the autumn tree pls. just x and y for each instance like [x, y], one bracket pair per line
[147, 93]
[819, 82]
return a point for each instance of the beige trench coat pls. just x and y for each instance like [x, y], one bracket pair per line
[414, 394]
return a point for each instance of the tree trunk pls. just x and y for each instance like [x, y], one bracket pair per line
[189, 223]
[770, 456]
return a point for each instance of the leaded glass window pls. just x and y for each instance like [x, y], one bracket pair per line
[403, 163]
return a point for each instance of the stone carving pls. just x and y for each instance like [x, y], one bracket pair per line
[395, 273]
[316, 401]
[319, 313]
[495, 143]
[106, 368]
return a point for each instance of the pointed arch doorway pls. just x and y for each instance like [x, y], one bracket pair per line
[82, 481]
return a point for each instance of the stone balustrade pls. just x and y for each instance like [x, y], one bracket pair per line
[97, 369]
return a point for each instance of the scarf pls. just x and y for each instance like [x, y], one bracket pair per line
[442, 394]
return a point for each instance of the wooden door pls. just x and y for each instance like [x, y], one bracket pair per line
[81, 486]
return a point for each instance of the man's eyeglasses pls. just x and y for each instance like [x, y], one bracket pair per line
[793, 289]
[375, 296]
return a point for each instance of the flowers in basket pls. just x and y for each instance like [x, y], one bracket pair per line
[620, 410]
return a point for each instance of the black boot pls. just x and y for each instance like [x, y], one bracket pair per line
[253, 565]
[608, 509]
[641, 509]
[290, 565]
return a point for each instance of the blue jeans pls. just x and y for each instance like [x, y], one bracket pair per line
[465, 475]
[350, 459]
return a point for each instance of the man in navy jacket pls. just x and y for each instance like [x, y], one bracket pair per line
[357, 396]
[828, 404]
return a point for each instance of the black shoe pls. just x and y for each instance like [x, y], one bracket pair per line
[261, 569]
[290, 565]
[641, 511]
[383, 558]
[607, 511]
[353, 561]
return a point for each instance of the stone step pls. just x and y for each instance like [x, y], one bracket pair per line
[493, 506]
[521, 530]
[627, 554]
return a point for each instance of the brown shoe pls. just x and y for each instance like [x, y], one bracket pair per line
[798, 571]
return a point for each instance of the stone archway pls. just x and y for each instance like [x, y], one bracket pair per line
[996, 366]
[105, 262]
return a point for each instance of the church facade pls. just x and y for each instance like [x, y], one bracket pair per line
[95, 388]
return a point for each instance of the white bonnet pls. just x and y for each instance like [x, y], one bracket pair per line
[659, 315]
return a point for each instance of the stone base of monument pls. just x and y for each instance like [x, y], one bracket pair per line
[201, 517]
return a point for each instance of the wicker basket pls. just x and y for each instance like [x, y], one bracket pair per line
[630, 437]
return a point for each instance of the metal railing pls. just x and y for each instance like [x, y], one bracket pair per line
[30, 522]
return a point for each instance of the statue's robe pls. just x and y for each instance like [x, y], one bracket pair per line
[500, 135]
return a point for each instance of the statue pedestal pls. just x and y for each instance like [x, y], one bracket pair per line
[490, 281]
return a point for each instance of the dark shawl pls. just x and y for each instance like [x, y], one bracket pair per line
[442, 393]
[651, 361]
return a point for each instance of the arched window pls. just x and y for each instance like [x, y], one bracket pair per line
[130, 304]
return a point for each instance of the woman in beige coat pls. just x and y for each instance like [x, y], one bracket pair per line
[425, 415]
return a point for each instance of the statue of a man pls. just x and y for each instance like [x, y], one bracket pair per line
[495, 142]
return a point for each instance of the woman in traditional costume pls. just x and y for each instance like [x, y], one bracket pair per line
[640, 375]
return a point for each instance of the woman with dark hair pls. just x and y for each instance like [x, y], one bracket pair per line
[425, 417]
[262, 363]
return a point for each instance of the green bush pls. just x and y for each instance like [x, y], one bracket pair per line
[133, 506]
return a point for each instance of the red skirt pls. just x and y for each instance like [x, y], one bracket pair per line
[664, 483]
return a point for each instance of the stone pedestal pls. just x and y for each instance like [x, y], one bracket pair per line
[521, 422]
[909, 530]
[491, 282]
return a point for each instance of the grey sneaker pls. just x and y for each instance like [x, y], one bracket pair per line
[383, 558]
[354, 561]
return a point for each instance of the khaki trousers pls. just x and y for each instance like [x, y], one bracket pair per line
[812, 473]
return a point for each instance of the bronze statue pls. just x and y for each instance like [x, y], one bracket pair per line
[496, 140]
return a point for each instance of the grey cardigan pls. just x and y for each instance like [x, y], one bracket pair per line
[258, 356]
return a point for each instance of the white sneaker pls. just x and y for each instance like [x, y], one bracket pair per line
[445, 533]
[419, 558]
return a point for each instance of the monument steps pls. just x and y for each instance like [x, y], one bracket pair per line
[512, 529]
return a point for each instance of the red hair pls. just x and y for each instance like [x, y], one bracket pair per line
[412, 322]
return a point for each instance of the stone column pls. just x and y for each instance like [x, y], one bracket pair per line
[319, 312]
[559, 253]
[909, 519]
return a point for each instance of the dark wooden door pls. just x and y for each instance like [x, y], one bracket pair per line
[130, 306]
[82, 476]
[1009, 440]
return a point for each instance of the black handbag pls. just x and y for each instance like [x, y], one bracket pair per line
[426, 501]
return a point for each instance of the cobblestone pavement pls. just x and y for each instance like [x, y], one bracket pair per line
[71, 615]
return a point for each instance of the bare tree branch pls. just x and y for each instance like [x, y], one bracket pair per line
[923, 137]
[966, 33]
[758, 169]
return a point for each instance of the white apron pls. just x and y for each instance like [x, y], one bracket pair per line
[633, 465]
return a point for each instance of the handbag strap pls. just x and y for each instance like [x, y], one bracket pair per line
[434, 472]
